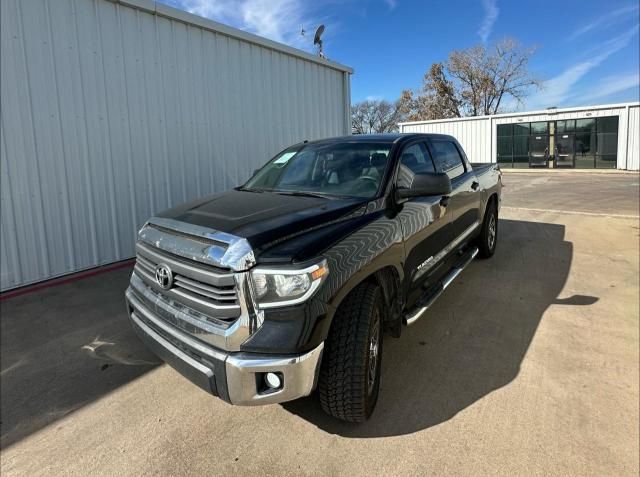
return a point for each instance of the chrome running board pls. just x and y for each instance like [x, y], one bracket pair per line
[432, 295]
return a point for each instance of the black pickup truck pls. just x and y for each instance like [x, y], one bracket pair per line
[288, 283]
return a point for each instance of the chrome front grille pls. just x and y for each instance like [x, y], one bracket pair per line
[210, 296]
[219, 295]
[203, 288]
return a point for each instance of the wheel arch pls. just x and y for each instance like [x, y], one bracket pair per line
[388, 277]
[491, 199]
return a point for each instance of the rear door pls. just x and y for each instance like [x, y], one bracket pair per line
[425, 221]
[464, 202]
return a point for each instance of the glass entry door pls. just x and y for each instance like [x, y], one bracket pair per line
[539, 144]
[538, 150]
[565, 153]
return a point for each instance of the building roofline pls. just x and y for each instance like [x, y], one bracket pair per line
[162, 10]
[550, 112]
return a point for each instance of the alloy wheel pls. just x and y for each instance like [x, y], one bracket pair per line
[492, 232]
[374, 348]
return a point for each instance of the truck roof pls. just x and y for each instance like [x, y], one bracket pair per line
[388, 138]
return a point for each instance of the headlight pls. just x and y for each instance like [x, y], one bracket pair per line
[281, 287]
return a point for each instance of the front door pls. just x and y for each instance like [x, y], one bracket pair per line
[538, 150]
[565, 153]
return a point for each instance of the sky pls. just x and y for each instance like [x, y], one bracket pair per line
[587, 51]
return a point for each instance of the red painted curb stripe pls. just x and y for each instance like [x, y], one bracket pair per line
[69, 279]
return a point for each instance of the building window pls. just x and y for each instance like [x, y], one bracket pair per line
[596, 142]
[505, 145]
[566, 126]
[539, 127]
[581, 143]
[584, 150]
[513, 142]
[521, 133]
[521, 151]
[608, 124]
[521, 129]
[586, 125]
[607, 142]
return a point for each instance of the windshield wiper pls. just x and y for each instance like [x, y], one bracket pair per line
[301, 193]
[298, 193]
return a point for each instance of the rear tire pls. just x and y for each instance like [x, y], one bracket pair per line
[349, 380]
[488, 238]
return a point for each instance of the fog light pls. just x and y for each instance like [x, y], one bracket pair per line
[273, 380]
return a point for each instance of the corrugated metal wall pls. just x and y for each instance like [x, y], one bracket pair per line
[112, 113]
[474, 135]
[478, 135]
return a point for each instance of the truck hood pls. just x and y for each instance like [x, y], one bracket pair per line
[278, 227]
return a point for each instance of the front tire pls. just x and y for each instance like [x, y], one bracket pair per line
[488, 238]
[349, 381]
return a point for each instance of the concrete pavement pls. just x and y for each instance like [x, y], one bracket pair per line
[527, 365]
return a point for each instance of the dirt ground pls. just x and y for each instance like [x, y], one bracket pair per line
[527, 365]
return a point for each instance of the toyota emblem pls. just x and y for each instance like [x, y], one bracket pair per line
[164, 276]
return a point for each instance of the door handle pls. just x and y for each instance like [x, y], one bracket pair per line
[475, 185]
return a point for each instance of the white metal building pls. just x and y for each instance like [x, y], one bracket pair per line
[606, 136]
[115, 110]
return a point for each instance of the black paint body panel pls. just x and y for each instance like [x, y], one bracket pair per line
[357, 237]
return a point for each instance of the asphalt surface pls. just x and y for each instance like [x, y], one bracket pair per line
[527, 365]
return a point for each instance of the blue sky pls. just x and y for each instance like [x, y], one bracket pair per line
[587, 51]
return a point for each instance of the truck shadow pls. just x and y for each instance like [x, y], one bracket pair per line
[472, 341]
[65, 347]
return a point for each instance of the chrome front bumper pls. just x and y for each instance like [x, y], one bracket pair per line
[236, 377]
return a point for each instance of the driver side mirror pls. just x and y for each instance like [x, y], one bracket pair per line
[426, 184]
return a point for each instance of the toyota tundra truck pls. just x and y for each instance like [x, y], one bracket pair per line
[288, 283]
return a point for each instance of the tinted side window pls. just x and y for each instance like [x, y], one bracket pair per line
[447, 158]
[415, 159]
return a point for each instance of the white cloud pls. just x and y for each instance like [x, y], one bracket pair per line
[607, 20]
[391, 4]
[557, 90]
[278, 20]
[491, 11]
[611, 85]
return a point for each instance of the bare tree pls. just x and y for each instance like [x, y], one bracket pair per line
[374, 116]
[472, 82]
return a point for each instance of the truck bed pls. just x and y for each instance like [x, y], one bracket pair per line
[482, 167]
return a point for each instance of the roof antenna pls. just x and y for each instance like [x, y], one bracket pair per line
[318, 41]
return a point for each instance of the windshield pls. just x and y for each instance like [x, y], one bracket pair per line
[343, 169]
